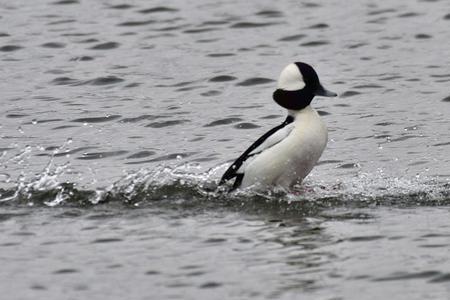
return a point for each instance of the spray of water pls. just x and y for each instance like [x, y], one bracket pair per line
[185, 184]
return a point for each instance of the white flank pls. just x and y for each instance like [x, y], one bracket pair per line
[289, 161]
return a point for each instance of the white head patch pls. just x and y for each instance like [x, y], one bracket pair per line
[291, 79]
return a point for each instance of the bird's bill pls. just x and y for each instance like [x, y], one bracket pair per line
[321, 91]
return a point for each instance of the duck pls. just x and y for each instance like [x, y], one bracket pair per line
[283, 156]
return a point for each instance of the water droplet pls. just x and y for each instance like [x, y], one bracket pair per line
[69, 141]
[34, 121]
[4, 177]
[20, 129]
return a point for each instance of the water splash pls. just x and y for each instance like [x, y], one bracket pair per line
[185, 186]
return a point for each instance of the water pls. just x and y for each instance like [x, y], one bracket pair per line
[118, 119]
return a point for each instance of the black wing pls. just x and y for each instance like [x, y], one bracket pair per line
[231, 172]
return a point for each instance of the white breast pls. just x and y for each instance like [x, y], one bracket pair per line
[290, 161]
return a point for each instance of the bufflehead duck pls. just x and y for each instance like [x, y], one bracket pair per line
[285, 155]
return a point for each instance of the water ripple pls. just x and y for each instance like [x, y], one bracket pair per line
[121, 6]
[67, 21]
[319, 26]
[314, 43]
[66, 271]
[222, 78]
[381, 11]
[53, 45]
[82, 58]
[97, 119]
[221, 54]
[105, 46]
[100, 155]
[106, 240]
[136, 23]
[409, 276]
[367, 86]
[65, 2]
[157, 9]
[246, 125]
[70, 152]
[291, 38]
[255, 81]
[141, 154]
[225, 121]
[103, 80]
[270, 13]
[64, 81]
[10, 48]
[443, 277]
[168, 123]
[199, 30]
[211, 93]
[349, 94]
[140, 118]
[409, 14]
[251, 24]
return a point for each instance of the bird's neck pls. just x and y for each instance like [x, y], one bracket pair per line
[296, 113]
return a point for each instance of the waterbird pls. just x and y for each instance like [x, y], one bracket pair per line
[286, 154]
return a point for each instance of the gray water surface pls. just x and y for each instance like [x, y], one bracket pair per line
[118, 119]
